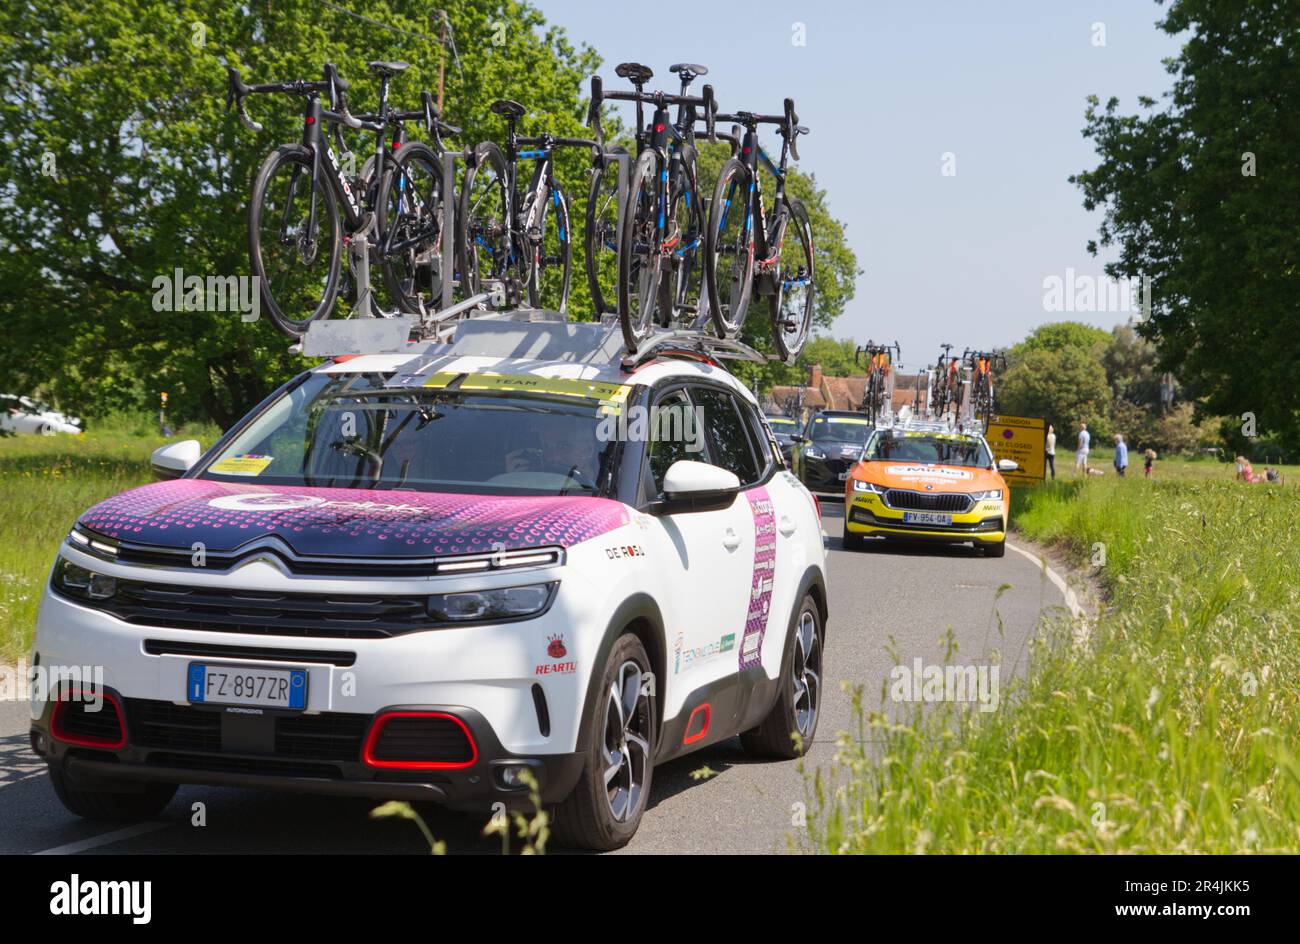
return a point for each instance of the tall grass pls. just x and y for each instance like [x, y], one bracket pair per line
[46, 482]
[1174, 727]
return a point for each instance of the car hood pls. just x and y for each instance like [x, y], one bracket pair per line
[919, 477]
[342, 522]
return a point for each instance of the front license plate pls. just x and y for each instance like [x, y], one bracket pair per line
[844, 476]
[926, 517]
[246, 685]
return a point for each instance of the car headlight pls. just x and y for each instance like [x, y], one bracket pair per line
[812, 452]
[77, 581]
[861, 486]
[91, 543]
[507, 603]
[991, 495]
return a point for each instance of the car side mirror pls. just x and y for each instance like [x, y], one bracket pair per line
[696, 486]
[799, 438]
[1007, 465]
[175, 459]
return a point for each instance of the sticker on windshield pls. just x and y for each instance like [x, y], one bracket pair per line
[611, 396]
[245, 464]
[847, 421]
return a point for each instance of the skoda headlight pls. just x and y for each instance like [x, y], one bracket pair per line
[77, 581]
[861, 486]
[506, 603]
[992, 495]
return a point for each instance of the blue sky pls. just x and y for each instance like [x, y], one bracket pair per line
[887, 89]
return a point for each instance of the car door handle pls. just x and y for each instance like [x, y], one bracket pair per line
[787, 525]
[730, 539]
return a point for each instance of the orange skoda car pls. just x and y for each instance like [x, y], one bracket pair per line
[928, 484]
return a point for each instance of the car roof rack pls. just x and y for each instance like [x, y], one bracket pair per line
[476, 326]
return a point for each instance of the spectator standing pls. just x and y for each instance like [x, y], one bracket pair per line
[1051, 449]
[1081, 453]
[1121, 455]
[1150, 464]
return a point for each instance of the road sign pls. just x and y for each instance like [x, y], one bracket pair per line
[1023, 440]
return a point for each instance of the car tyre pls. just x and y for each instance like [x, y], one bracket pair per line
[854, 542]
[798, 706]
[605, 808]
[996, 550]
[103, 805]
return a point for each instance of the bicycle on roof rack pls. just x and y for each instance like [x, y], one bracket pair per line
[661, 224]
[506, 235]
[879, 390]
[981, 365]
[946, 390]
[295, 233]
[745, 248]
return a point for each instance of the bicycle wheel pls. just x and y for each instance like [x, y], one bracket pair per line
[792, 302]
[601, 236]
[873, 396]
[484, 242]
[296, 264]
[552, 246]
[684, 240]
[408, 228]
[639, 258]
[729, 249]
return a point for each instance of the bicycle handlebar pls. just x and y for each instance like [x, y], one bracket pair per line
[337, 87]
[788, 123]
[705, 100]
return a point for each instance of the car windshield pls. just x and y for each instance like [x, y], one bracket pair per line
[351, 431]
[840, 429]
[782, 426]
[929, 449]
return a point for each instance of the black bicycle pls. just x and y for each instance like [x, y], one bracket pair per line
[295, 233]
[946, 386]
[513, 236]
[681, 293]
[745, 247]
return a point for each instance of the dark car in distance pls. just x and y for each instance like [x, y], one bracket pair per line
[830, 444]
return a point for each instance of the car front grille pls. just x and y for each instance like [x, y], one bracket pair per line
[161, 725]
[955, 502]
[343, 616]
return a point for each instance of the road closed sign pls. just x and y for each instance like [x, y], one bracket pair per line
[1023, 440]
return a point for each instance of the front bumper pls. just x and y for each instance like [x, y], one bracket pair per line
[229, 758]
[825, 474]
[985, 523]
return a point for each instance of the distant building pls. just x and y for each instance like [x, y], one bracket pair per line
[823, 392]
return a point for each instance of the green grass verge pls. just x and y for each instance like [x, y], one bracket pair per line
[46, 482]
[1173, 728]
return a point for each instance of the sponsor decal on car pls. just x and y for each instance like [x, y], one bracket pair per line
[556, 650]
[625, 550]
[245, 464]
[685, 657]
[760, 597]
[928, 471]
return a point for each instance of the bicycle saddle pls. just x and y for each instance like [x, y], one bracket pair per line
[508, 109]
[638, 73]
[688, 70]
[387, 69]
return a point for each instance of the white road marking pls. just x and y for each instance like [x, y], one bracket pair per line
[1071, 600]
[104, 839]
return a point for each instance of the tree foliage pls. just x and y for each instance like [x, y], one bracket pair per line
[1201, 193]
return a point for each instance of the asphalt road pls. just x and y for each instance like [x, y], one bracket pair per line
[914, 595]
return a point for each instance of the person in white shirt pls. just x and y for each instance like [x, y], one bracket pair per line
[1051, 449]
[1081, 454]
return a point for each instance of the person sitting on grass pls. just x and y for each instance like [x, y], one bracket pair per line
[1245, 472]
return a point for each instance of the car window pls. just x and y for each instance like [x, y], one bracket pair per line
[839, 429]
[726, 432]
[928, 449]
[668, 442]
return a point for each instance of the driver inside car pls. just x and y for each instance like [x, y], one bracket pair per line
[562, 452]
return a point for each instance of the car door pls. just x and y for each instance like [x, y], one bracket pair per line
[711, 556]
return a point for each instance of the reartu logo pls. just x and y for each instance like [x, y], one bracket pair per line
[272, 501]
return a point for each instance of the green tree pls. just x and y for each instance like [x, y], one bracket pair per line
[120, 165]
[1063, 386]
[1200, 195]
